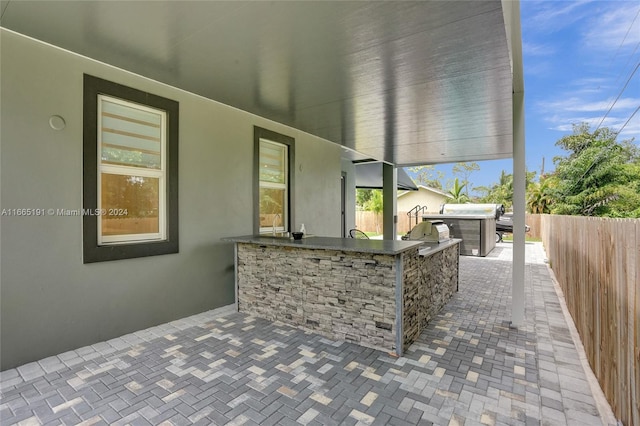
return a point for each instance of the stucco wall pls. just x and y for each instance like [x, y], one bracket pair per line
[51, 301]
[422, 197]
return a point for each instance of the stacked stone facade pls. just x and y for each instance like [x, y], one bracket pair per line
[341, 295]
[429, 283]
[346, 295]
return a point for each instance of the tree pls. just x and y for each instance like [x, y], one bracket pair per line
[499, 193]
[502, 191]
[370, 200]
[375, 204]
[427, 176]
[539, 198]
[598, 177]
[362, 197]
[465, 170]
[458, 197]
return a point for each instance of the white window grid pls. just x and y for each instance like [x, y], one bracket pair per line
[276, 185]
[160, 174]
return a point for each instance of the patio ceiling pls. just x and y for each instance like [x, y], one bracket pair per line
[403, 82]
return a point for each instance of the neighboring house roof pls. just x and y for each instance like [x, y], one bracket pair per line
[428, 188]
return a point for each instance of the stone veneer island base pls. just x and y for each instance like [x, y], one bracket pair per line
[376, 293]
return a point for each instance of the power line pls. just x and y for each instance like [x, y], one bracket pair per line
[597, 159]
[622, 70]
[624, 39]
[628, 60]
[619, 94]
[627, 122]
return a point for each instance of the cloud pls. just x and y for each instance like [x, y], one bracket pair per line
[553, 16]
[564, 123]
[580, 105]
[537, 49]
[562, 114]
[591, 85]
[578, 56]
[617, 27]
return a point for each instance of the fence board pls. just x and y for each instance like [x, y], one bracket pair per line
[535, 224]
[634, 386]
[593, 277]
[623, 286]
[597, 264]
[368, 221]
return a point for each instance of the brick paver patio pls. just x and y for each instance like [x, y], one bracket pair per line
[223, 367]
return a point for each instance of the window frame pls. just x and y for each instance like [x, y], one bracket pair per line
[95, 249]
[289, 143]
[118, 169]
[280, 186]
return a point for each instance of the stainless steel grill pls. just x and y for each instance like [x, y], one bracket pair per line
[432, 231]
[474, 224]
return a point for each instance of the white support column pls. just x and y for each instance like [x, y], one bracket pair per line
[519, 206]
[389, 196]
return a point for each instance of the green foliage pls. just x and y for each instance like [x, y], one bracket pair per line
[375, 203]
[362, 198]
[371, 200]
[502, 192]
[598, 177]
[428, 176]
[499, 193]
[464, 170]
[457, 194]
[539, 196]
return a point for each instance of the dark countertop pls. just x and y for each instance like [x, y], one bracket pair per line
[430, 248]
[331, 243]
[451, 216]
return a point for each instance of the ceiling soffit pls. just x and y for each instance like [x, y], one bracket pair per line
[403, 82]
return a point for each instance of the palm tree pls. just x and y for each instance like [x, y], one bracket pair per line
[458, 197]
[499, 193]
[539, 198]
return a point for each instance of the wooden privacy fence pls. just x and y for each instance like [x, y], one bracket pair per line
[597, 264]
[533, 220]
[366, 222]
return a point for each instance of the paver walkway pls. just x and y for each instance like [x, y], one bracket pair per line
[222, 367]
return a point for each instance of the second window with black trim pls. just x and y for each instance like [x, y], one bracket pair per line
[273, 187]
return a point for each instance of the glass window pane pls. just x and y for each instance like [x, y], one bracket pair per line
[131, 204]
[130, 136]
[272, 162]
[272, 205]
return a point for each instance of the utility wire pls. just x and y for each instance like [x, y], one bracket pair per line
[618, 97]
[597, 159]
[623, 40]
[625, 66]
[628, 60]
[627, 122]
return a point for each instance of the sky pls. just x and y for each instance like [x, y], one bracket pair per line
[581, 64]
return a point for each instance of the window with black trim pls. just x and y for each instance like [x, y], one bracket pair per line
[130, 188]
[273, 185]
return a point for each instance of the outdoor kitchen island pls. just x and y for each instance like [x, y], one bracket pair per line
[376, 293]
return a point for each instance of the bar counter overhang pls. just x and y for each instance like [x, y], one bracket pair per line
[376, 293]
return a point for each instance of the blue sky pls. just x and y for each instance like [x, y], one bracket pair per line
[578, 56]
